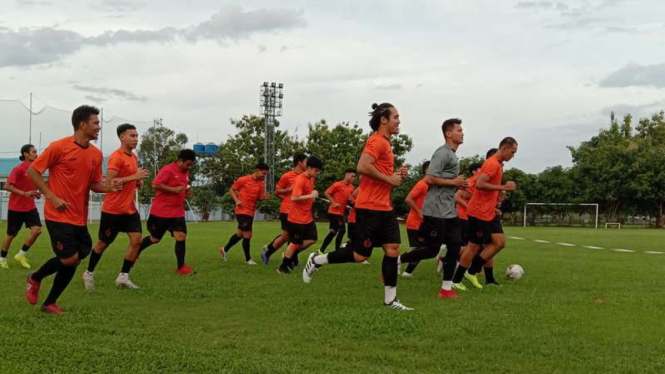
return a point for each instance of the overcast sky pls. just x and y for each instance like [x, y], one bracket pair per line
[545, 72]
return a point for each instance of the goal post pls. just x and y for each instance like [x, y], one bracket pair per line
[596, 206]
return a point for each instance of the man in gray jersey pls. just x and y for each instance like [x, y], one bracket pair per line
[441, 224]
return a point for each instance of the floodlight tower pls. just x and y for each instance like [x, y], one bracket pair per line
[271, 107]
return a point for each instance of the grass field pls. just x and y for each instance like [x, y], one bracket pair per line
[577, 310]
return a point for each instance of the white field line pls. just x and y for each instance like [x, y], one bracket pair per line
[623, 250]
[654, 252]
[566, 244]
[516, 237]
[593, 247]
[541, 241]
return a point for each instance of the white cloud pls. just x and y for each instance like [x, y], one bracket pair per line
[635, 74]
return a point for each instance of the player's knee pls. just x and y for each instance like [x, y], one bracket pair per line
[247, 235]
[179, 236]
[135, 241]
[36, 231]
[154, 240]
[359, 258]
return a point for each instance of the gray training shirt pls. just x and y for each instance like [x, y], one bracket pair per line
[440, 201]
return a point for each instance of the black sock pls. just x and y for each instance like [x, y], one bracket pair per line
[245, 248]
[286, 264]
[459, 274]
[4, 253]
[341, 257]
[94, 260]
[50, 267]
[61, 281]
[232, 241]
[145, 244]
[419, 254]
[270, 250]
[450, 261]
[489, 274]
[295, 260]
[127, 266]
[411, 267]
[25, 248]
[476, 265]
[326, 242]
[339, 239]
[180, 253]
[389, 271]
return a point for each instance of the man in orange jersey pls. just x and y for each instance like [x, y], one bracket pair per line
[414, 200]
[246, 191]
[462, 199]
[440, 223]
[351, 225]
[167, 212]
[119, 212]
[339, 194]
[75, 168]
[302, 228]
[484, 230]
[377, 224]
[283, 190]
[22, 209]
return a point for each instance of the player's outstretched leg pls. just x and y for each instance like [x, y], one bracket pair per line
[233, 240]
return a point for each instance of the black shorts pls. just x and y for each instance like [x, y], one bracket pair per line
[68, 240]
[245, 222]
[17, 219]
[298, 233]
[158, 226]
[464, 225]
[350, 231]
[375, 228]
[415, 240]
[438, 231]
[112, 224]
[480, 232]
[336, 221]
[284, 221]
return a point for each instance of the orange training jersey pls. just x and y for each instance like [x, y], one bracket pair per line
[418, 194]
[301, 211]
[340, 193]
[122, 202]
[72, 170]
[250, 192]
[285, 182]
[374, 194]
[461, 210]
[483, 203]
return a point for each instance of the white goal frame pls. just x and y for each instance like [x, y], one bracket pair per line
[561, 204]
[612, 224]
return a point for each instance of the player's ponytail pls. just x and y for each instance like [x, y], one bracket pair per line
[25, 149]
[378, 111]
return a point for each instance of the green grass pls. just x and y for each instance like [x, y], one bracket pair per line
[577, 310]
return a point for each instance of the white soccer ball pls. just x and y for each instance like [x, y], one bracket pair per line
[514, 272]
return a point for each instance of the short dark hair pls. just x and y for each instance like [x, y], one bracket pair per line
[490, 153]
[425, 167]
[187, 155]
[298, 158]
[349, 170]
[261, 166]
[449, 124]
[475, 166]
[124, 127]
[507, 141]
[25, 149]
[82, 114]
[378, 111]
[314, 162]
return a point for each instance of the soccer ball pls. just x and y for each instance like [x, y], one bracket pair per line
[514, 272]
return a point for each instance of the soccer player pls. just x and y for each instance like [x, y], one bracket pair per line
[377, 224]
[283, 190]
[75, 168]
[167, 212]
[301, 225]
[22, 208]
[483, 228]
[246, 191]
[462, 199]
[339, 195]
[440, 221]
[414, 200]
[351, 224]
[119, 212]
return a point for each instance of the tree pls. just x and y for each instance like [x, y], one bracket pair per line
[204, 201]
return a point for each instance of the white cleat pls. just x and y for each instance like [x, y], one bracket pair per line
[406, 275]
[398, 306]
[88, 280]
[309, 269]
[251, 262]
[123, 281]
[365, 262]
[439, 267]
[223, 253]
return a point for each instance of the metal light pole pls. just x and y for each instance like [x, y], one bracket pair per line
[272, 96]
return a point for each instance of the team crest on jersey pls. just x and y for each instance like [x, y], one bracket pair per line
[367, 243]
[107, 232]
[421, 239]
[59, 246]
[433, 234]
